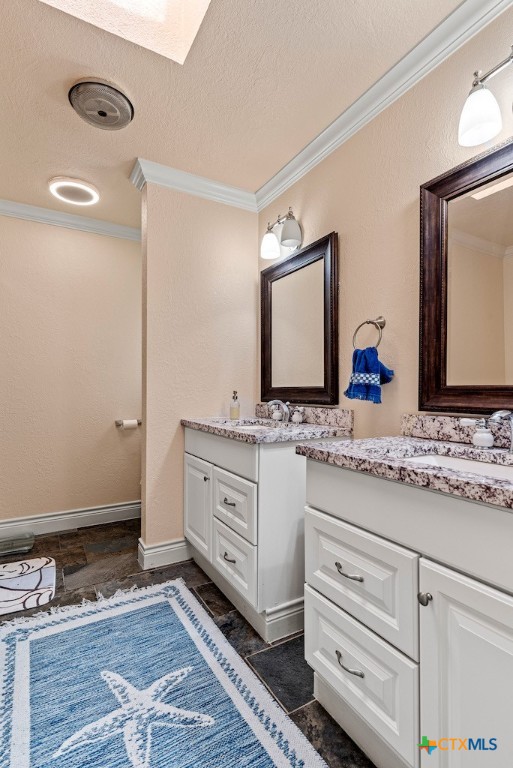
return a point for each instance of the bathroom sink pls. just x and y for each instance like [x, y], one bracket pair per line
[251, 427]
[498, 471]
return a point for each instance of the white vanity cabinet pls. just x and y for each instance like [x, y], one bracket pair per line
[404, 647]
[244, 519]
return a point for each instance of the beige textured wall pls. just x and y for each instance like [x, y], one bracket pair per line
[368, 191]
[475, 317]
[70, 351]
[199, 334]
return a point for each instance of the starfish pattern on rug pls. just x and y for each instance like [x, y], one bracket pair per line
[140, 711]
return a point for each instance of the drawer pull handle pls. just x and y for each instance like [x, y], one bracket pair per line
[356, 672]
[229, 503]
[352, 576]
[228, 559]
[424, 598]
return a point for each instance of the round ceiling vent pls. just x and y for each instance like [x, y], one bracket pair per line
[101, 105]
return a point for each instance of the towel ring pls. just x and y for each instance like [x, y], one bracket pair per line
[379, 323]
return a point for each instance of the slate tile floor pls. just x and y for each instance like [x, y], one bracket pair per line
[103, 559]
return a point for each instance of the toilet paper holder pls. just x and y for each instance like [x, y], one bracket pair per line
[119, 422]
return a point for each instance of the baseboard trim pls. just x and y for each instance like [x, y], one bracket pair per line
[74, 518]
[157, 555]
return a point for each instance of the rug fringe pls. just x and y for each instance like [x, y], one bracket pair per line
[134, 588]
[55, 610]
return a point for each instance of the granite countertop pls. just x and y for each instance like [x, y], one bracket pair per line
[265, 430]
[387, 457]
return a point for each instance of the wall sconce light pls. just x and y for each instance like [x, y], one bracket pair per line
[481, 118]
[289, 237]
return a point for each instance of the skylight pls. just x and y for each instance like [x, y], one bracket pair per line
[167, 27]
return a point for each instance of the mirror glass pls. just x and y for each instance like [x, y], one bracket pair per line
[480, 285]
[298, 328]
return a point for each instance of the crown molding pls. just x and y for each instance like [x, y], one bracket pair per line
[145, 171]
[67, 220]
[468, 19]
[478, 244]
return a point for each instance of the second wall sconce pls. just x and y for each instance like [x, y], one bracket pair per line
[481, 118]
[288, 234]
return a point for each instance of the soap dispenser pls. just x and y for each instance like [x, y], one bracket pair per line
[482, 437]
[234, 406]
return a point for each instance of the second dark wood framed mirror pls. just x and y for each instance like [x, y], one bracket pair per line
[299, 326]
[466, 293]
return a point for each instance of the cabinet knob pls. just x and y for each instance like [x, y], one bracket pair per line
[205, 478]
[424, 598]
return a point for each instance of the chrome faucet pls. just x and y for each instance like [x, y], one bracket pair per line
[284, 407]
[497, 417]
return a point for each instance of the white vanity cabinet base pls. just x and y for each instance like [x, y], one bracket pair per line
[385, 691]
[360, 731]
[372, 579]
[265, 529]
[466, 668]
[271, 625]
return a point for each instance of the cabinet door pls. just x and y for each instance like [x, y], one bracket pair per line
[466, 662]
[198, 504]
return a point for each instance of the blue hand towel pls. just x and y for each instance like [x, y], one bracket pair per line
[368, 375]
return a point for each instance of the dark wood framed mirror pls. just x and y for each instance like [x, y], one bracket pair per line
[299, 326]
[466, 287]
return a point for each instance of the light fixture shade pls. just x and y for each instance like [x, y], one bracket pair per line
[480, 118]
[270, 247]
[291, 235]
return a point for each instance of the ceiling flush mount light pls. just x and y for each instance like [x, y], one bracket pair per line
[73, 191]
[289, 237]
[481, 118]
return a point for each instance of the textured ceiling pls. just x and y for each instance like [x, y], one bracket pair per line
[261, 80]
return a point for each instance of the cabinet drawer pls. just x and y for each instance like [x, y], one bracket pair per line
[236, 560]
[235, 502]
[385, 691]
[371, 578]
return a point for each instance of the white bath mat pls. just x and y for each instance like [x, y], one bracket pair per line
[26, 584]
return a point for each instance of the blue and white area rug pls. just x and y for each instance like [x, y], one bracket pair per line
[141, 680]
